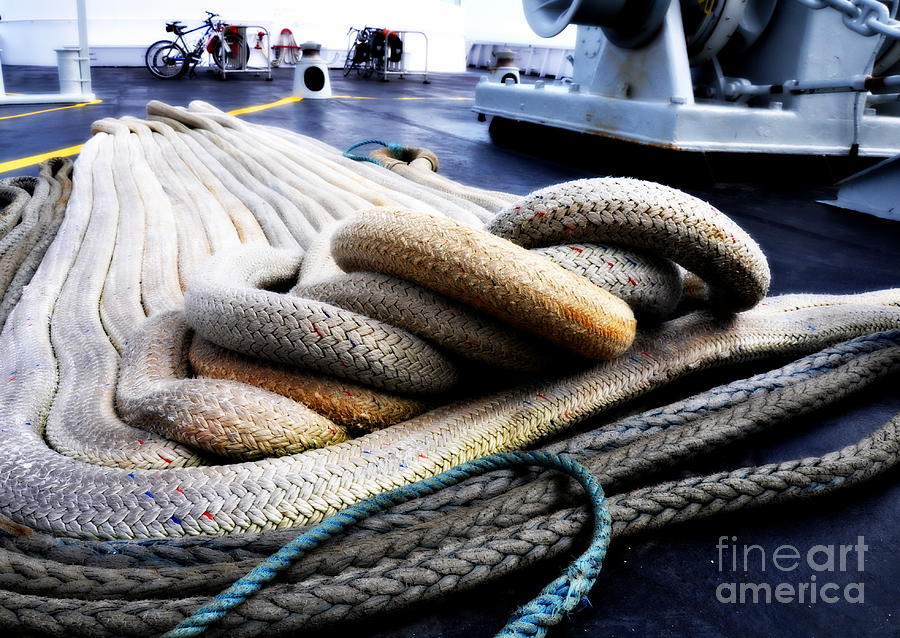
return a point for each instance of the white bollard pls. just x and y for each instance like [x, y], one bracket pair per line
[311, 79]
[505, 68]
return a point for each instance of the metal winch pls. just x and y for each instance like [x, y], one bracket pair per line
[773, 76]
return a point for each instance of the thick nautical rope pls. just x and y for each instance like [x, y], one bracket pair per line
[38, 230]
[492, 275]
[27, 224]
[817, 379]
[13, 201]
[495, 526]
[230, 304]
[420, 165]
[228, 182]
[348, 404]
[786, 325]
[534, 619]
[654, 217]
[83, 425]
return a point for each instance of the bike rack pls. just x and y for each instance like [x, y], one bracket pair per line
[246, 68]
[400, 67]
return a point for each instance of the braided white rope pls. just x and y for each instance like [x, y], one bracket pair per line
[92, 477]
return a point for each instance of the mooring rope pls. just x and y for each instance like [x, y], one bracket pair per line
[137, 522]
[364, 158]
[513, 525]
[34, 207]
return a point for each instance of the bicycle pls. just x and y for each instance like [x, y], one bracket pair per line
[359, 55]
[371, 50]
[170, 60]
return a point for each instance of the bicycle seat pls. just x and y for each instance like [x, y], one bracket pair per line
[174, 27]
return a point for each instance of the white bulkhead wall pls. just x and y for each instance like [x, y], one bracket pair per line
[30, 31]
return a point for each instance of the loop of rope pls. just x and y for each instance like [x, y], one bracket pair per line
[366, 158]
[534, 619]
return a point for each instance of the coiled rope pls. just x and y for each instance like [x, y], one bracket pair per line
[511, 524]
[364, 158]
[105, 508]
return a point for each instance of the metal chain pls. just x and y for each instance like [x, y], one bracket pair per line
[866, 17]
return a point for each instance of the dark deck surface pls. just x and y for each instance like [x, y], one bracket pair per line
[656, 584]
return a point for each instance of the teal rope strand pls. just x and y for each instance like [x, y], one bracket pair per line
[534, 619]
[366, 158]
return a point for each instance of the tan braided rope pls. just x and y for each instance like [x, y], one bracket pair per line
[123, 500]
[345, 403]
[382, 454]
[430, 315]
[489, 273]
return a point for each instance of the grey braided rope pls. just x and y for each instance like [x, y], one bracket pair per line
[627, 212]
[13, 200]
[468, 537]
[27, 225]
[290, 329]
[57, 173]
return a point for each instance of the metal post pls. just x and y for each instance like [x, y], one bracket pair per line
[2, 88]
[81, 90]
[84, 51]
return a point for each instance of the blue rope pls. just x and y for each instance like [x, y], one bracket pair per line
[366, 158]
[534, 619]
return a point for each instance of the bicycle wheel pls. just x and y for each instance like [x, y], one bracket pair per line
[349, 62]
[166, 60]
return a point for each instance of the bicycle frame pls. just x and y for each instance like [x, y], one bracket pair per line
[197, 50]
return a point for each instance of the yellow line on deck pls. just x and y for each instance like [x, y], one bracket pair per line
[37, 159]
[263, 107]
[58, 108]
[31, 160]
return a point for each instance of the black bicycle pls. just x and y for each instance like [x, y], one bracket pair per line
[367, 53]
[359, 55]
[171, 59]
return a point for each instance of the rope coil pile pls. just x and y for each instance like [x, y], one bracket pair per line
[171, 418]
